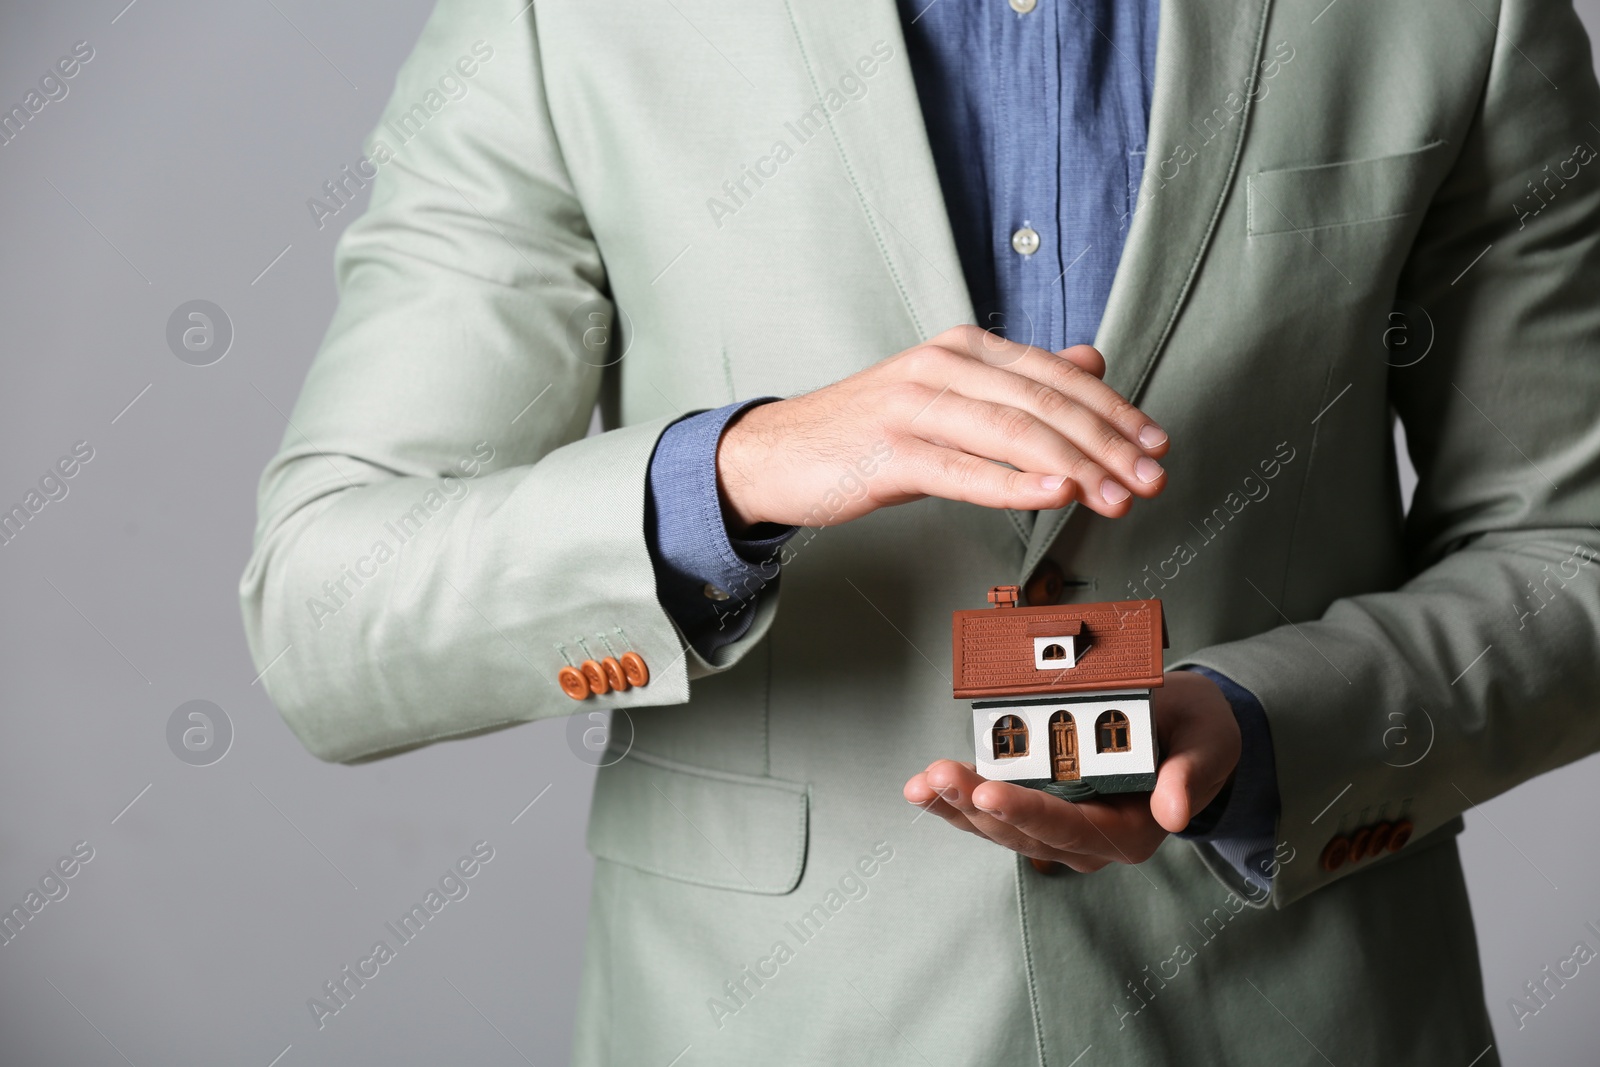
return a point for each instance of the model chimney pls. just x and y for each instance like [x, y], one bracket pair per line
[1004, 596]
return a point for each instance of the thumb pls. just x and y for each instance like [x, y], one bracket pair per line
[1199, 736]
[1176, 797]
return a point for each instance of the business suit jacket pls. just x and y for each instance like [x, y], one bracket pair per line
[742, 842]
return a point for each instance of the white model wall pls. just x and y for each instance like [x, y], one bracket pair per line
[1139, 759]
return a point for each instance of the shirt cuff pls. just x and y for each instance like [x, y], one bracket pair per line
[1240, 823]
[709, 582]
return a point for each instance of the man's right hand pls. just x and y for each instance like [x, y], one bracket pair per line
[952, 411]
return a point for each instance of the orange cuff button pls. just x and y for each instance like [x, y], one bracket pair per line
[634, 669]
[1336, 852]
[573, 683]
[1401, 834]
[615, 674]
[595, 675]
[1359, 842]
[1380, 838]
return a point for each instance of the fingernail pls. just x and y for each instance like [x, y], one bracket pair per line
[1147, 469]
[1113, 492]
[1152, 435]
[1053, 481]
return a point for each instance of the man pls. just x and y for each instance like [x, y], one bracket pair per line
[1278, 228]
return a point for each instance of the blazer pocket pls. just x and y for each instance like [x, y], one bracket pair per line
[1340, 194]
[710, 828]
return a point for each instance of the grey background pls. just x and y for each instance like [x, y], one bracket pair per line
[178, 168]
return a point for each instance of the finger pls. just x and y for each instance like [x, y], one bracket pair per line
[958, 783]
[957, 820]
[1066, 408]
[917, 791]
[1061, 374]
[1086, 387]
[955, 782]
[936, 799]
[1016, 420]
[1116, 829]
[1087, 358]
[944, 810]
[923, 469]
[1014, 436]
[977, 343]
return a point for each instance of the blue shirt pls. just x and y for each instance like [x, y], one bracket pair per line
[708, 581]
[1037, 123]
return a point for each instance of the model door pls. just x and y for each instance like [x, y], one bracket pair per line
[1063, 747]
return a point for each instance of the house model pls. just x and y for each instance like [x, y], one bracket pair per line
[1061, 693]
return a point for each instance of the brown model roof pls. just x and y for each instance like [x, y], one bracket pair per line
[1119, 647]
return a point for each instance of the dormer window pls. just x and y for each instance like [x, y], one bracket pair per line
[1055, 653]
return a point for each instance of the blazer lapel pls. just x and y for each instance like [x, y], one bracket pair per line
[887, 166]
[1207, 54]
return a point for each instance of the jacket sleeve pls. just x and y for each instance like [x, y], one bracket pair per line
[1481, 671]
[436, 536]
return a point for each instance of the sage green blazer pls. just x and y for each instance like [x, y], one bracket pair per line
[1349, 212]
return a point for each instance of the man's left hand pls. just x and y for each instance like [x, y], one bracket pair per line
[1199, 739]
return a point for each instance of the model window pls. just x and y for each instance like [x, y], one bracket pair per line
[1010, 737]
[1054, 652]
[1111, 732]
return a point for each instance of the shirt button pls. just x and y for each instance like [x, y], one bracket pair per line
[1025, 241]
[713, 593]
[1022, 7]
